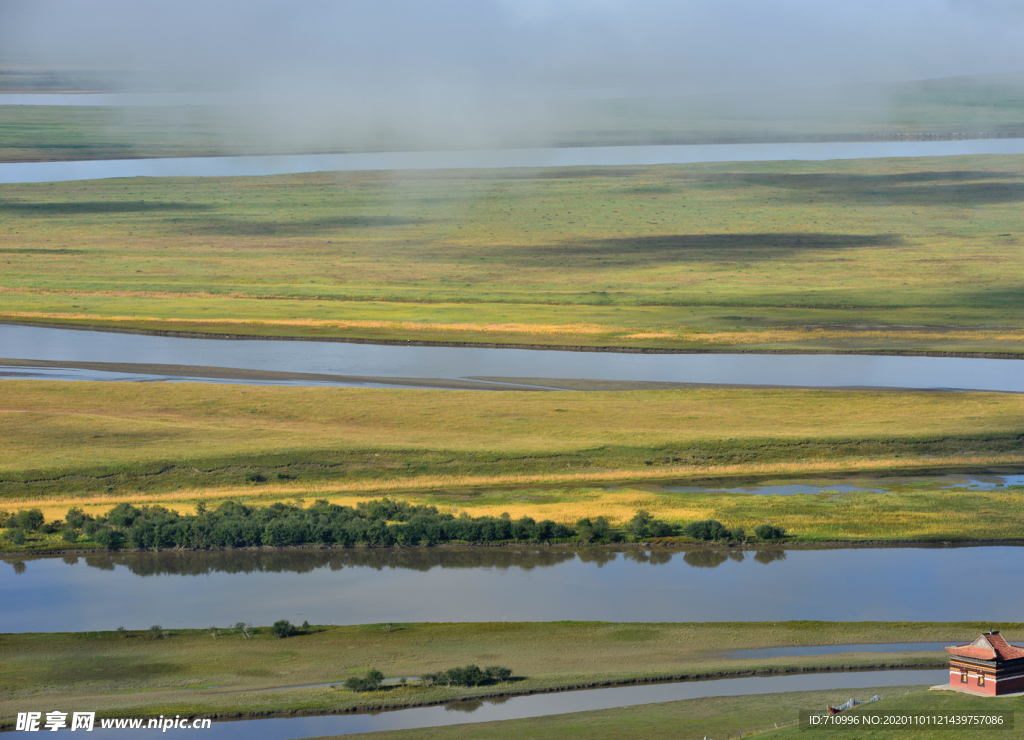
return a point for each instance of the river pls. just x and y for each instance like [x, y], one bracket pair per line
[346, 363]
[496, 584]
[21, 172]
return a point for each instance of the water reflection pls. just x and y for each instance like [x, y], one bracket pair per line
[485, 584]
[199, 563]
[769, 556]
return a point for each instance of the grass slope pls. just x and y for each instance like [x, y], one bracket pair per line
[881, 255]
[141, 676]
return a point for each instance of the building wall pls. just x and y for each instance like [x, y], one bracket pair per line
[1012, 684]
[1009, 682]
[972, 680]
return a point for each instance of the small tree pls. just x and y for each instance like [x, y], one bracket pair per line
[29, 520]
[121, 632]
[283, 628]
[76, 518]
[156, 631]
[497, 673]
[15, 536]
[769, 532]
[639, 525]
[709, 529]
[370, 682]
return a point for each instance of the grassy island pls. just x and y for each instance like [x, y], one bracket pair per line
[890, 255]
[549, 456]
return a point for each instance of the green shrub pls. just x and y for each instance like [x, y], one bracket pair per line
[708, 529]
[69, 535]
[469, 675]
[30, 520]
[109, 538]
[15, 536]
[497, 673]
[369, 682]
[76, 518]
[769, 532]
[122, 515]
[283, 628]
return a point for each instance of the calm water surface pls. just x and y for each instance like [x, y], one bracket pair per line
[453, 363]
[196, 589]
[494, 158]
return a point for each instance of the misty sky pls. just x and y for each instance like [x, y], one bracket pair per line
[395, 47]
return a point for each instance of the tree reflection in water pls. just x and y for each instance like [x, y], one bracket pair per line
[205, 562]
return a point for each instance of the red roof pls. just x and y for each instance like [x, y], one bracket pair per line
[990, 646]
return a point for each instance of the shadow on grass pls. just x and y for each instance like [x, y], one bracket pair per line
[232, 227]
[597, 253]
[1001, 297]
[958, 187]
[97, 207]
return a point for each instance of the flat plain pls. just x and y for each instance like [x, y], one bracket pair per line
[192, 672]
[546, 455]
[893, 255]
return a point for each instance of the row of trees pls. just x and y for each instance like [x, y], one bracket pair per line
[381, 523]
[469, 675]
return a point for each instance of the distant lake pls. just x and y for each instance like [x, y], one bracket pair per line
[496, 584]
[18, 172]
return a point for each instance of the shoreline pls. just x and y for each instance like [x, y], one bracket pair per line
[619, 349]
[610, 546]
[849, 138]
[580, 686]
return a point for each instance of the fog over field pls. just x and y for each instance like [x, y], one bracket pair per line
[483, 72]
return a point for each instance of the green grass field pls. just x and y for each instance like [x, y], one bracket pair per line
[142, 676]
[546, 455]
[869, 255]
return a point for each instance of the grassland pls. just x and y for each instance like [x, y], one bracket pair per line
[141, 676]
[983, 105]
[727, 717]
[547, 455]
[871, 255]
